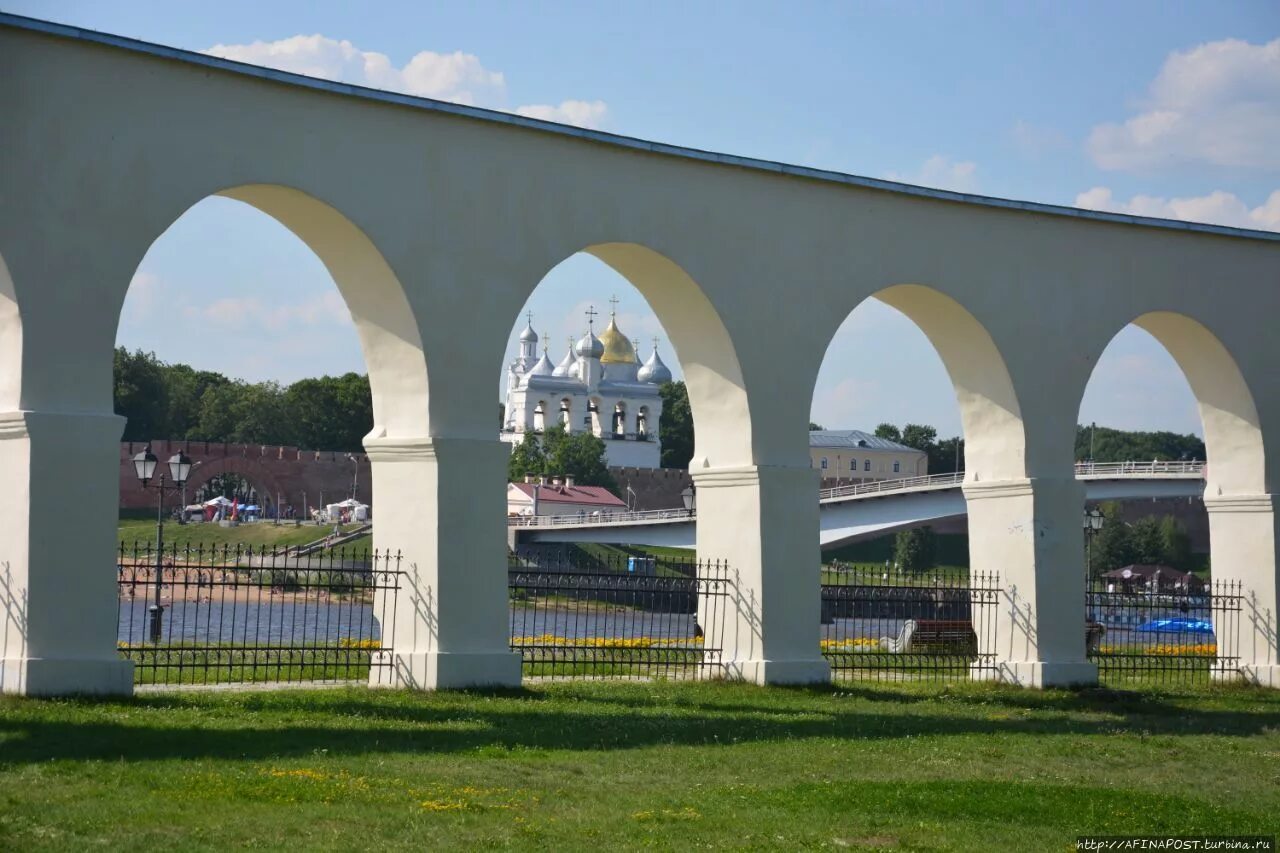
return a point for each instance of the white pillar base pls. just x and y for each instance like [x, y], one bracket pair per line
[439, 670]
[1036, 673]
[803, 671]
[440, 504]
[1264, 675]
[1029, 532]
[59, 611]
[66, 677]
[763, 521]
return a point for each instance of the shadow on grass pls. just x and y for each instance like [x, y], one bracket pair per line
[582, 717]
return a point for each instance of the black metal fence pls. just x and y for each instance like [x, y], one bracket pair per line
[208, 615]
[574, 615]
[882, 624]
[1144, 631]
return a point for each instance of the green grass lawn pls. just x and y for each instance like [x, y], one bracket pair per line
[596, 766]
[259, 534]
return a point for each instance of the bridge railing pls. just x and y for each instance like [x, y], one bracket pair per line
[1138, 469]
[1098, 470]
[877, 486]
[599, 517]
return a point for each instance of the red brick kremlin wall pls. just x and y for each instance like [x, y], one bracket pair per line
[286, 471]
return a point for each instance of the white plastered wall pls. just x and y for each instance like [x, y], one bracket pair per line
[749, 271]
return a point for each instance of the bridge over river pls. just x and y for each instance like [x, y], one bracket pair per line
[863, 511]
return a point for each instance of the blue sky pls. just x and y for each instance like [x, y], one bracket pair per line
[1162, 108]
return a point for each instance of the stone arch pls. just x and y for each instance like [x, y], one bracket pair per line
[10, 343]
[565, 417]
[596, 425]
[994, 434]
[386, 324]
[619, 419]
[250, 469]
[1232, 428]
[712, 374]
[540, 416]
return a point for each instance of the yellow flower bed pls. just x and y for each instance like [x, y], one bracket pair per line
[607, 642]
[1164, 650]
[366, 645]
[854, 644]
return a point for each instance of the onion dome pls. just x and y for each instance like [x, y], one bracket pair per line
[566, 367]
[617, 349]
[589, 346]
[654, 371]
[529, 336]
[544, 367]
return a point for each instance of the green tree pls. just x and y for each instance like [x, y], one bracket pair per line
[815, 427]
[914, 550]
[889, 431]
[1113, 445]
[330, 413]
[243, 413]
[919, 436]
[1113, 546]
[1176, 543]
[947, 455]
[140, 394]
[1148, 542]
[579, 455]
[675, 427]
[186, 387]
[527, 459]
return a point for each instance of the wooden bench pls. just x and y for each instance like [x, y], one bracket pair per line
[956, 636]
[1093, 634]
[948, 636]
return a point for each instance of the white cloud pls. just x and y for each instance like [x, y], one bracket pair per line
[1218, 103]
[581, 113]
[1218, 207]
[244, 312]
[458, 77]
[941, 172]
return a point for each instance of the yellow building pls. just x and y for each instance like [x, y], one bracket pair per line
[854, 456]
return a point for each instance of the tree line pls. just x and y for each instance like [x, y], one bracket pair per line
[176, 401]
[1162, 541]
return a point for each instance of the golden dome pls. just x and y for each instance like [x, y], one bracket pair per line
[617, 349]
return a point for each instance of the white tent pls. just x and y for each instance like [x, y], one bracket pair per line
[357, 511]
[218, 501]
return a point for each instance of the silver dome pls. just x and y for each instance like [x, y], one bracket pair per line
[654, 371]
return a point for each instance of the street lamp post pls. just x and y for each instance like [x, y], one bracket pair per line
[144, 465]
[182, 512]
[690, 498]
[355, 476]
[1093, 521]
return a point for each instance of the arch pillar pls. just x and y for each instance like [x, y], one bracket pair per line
[763, 520]
[57, 592]
[1028, 531]
[1242, 535]
[440, 507]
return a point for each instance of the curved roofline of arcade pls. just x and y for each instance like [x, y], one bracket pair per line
[180, 55]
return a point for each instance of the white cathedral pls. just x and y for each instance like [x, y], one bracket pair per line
[599, 386]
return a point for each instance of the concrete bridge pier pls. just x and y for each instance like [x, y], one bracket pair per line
[59, 619]
[1028, 530]
[1243, 532]
[437, 506]
[762, 520]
